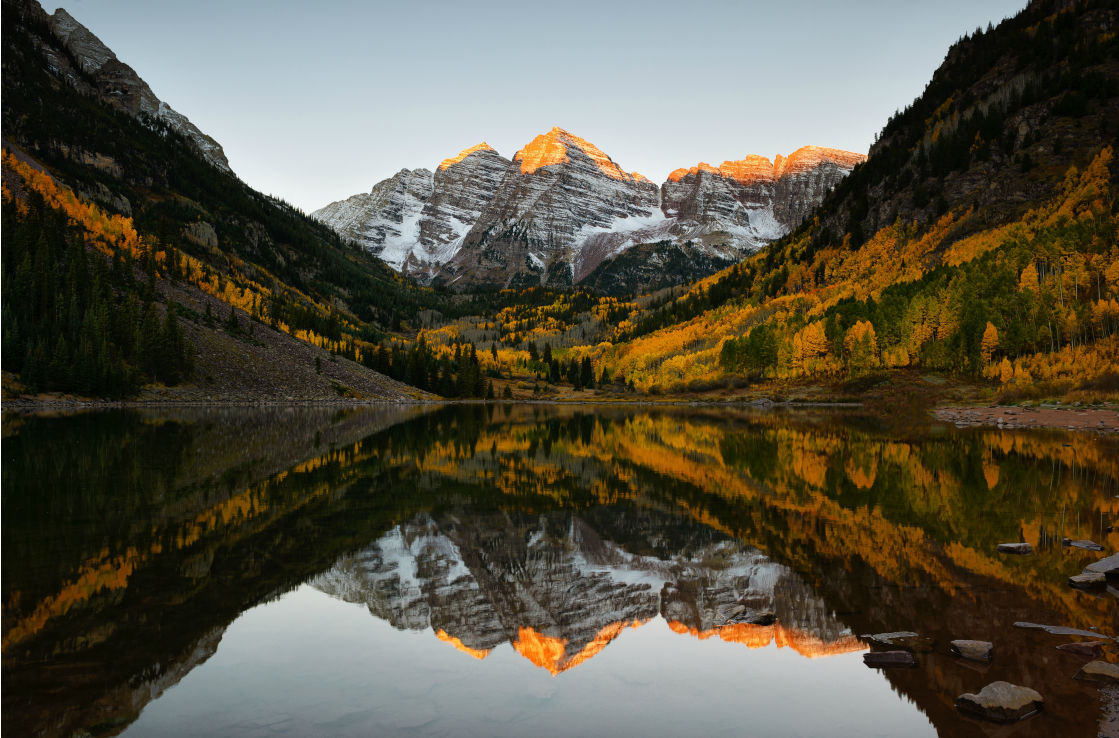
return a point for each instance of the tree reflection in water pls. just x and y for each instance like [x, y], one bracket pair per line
[132, 539]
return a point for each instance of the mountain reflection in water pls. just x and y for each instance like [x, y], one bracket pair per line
[132, 540]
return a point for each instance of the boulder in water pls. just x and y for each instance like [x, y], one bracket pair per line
[1001, 702]
[1099, 671]
[1019, 549]
[973, 650]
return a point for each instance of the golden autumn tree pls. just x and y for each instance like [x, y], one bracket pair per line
[990, 342]
[861, 345]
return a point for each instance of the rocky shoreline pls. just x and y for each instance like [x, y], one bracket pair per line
[1074, 418]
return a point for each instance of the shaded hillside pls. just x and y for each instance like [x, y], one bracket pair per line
[978, 238]
[139, 167]
[999, 123]
[156, 210]
[650, 267]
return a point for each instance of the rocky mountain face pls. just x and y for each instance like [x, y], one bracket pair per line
[417, 219]
[752, 199]
[558, 592]
[102, 73]
[563, 208]
[561, 202]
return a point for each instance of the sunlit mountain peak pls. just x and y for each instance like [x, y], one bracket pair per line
[552, 148]
[465, 153]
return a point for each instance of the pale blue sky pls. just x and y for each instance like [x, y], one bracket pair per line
[316, 101]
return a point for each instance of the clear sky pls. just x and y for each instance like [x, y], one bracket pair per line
[317, 101]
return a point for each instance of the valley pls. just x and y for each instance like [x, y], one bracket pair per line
[975, 244]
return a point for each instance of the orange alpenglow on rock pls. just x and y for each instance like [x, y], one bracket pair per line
[446, 638]
[465, 153]
[551, 653]
[810, 157]
[752, 169]
[756, 168]
[760, 636]
[551, 148]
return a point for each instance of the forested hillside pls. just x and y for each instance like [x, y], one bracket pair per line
[119, 203]
[979, 238]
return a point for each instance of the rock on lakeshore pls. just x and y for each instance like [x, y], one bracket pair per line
[1001, 702]
[1090, 649]
[1021, 549]
[1099, 671]
[973, 650]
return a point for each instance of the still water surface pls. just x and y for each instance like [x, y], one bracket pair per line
[503, 571]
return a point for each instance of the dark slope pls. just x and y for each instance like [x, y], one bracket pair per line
[650, 267]
[998, 125]
[54, 111]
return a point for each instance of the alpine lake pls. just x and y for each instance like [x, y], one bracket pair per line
[543, 570]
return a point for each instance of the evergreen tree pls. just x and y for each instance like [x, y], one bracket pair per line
[586, 373]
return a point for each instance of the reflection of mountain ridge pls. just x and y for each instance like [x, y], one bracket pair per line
[551, 529]
[556, 591]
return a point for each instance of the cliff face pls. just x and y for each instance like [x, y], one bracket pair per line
[752, 199]
[416, 220]
[802, 181]
[558, 592]
[118, 83]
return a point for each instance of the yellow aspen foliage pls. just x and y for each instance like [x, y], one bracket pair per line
[810, 342]
[990, 342]
[1028, 280]
[861, 345]
[946, 322]
[1006, 370]
[1111, 274]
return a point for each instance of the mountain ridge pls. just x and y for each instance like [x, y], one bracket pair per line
[562, 207]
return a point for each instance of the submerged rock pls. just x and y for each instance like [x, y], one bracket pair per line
[888, 638]
[905, 639]
[1099, 671]
[1021, 549]
[973, 650]
[1001, 702]
[1085, 648]
[1087, 545]
[1059, 630]
[1087, 580]
[888, 659]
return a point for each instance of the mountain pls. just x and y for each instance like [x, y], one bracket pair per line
[561, 203]
[416, 220]
[118, 84]
[562, 208]
[154, 264]
[752, 198]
